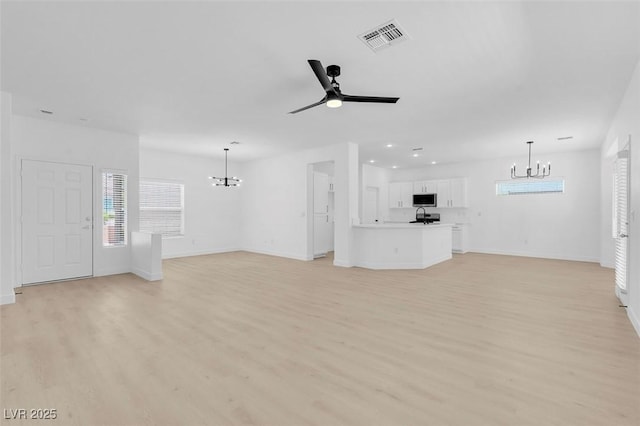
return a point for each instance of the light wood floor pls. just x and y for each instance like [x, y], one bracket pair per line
[242, 338]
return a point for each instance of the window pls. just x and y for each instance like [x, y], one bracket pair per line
[162, 208]
[530, 186]
[114, 209]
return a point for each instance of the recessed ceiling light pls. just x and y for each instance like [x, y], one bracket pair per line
[235, 143]
[372, 161]
[44, 111]
[394, 167]
[389, 145]
[415, 155]
[433, 162]
[564, 138]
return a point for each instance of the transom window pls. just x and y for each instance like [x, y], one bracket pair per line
[529, 186]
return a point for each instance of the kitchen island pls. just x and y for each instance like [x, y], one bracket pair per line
[401, 245]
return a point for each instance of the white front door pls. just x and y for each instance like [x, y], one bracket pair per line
[57, 221]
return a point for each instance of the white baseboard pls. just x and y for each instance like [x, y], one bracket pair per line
[278, 253]
[199, 252]
[635, 321]
[342, 263]
[147, 275]
[111, 271]
[537, 255]
[607, 265]
[426, 263]
[7, 299]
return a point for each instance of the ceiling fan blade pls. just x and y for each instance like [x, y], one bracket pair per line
[321, 74]
[310, 106]
[374, 99]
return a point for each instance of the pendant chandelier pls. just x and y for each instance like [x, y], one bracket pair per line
[225, 181]
[546, 170]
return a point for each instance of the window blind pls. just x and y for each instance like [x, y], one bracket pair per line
[162, 208]
[114, 209]
[620, 225]
[530, 186]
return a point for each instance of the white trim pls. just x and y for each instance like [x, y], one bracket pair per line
[425, 263]
[111, 271]
[279, 254]
[198, 253]
[606, 264]
[147, 275]
[635, 321]
[542, 255]
[7, 299]
[342, 263]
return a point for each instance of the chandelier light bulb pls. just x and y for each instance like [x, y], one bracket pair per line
[546, 171]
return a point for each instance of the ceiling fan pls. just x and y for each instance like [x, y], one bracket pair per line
[334, 97]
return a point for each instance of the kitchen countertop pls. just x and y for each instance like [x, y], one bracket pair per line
[404, 225]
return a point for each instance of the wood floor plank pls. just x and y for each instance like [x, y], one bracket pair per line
[242, 338]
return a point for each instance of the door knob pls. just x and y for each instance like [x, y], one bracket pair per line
[623, 235]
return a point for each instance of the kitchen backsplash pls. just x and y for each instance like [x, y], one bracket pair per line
[446, 215]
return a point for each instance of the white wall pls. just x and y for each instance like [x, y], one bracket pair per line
[275, 202]
[47, 140]
[6, 196]
[377, 177]
[212, 221]
[625, 126]
[558, 226]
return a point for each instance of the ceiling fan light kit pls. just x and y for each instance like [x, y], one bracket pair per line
[225, 181]
[333, 95]
[546, 170]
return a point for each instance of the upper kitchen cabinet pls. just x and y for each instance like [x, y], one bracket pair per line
[425, 187]
[452, 193]
[400, 195]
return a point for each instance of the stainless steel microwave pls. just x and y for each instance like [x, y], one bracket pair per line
[425, 200]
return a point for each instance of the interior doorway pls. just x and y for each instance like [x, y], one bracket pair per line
[57, 221]
[322, 208]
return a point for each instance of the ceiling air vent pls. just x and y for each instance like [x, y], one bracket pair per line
[384, 35]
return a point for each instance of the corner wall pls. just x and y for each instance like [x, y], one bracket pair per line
[212, 219]
[6, 196]
[46, 140]
[555, 226]
[275, 212]
[625, 127]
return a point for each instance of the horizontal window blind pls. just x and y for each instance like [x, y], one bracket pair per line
[114, 209]
[529, 186]
[621, 225]
[162, 208]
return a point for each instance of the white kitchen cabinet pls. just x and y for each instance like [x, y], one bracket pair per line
[458, 192]
[400, 195]
[460, 239]
[320, 193]
[452, 193]
[443, 193]
[425, 187]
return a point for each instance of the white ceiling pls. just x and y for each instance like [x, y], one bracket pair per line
[476, 80]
